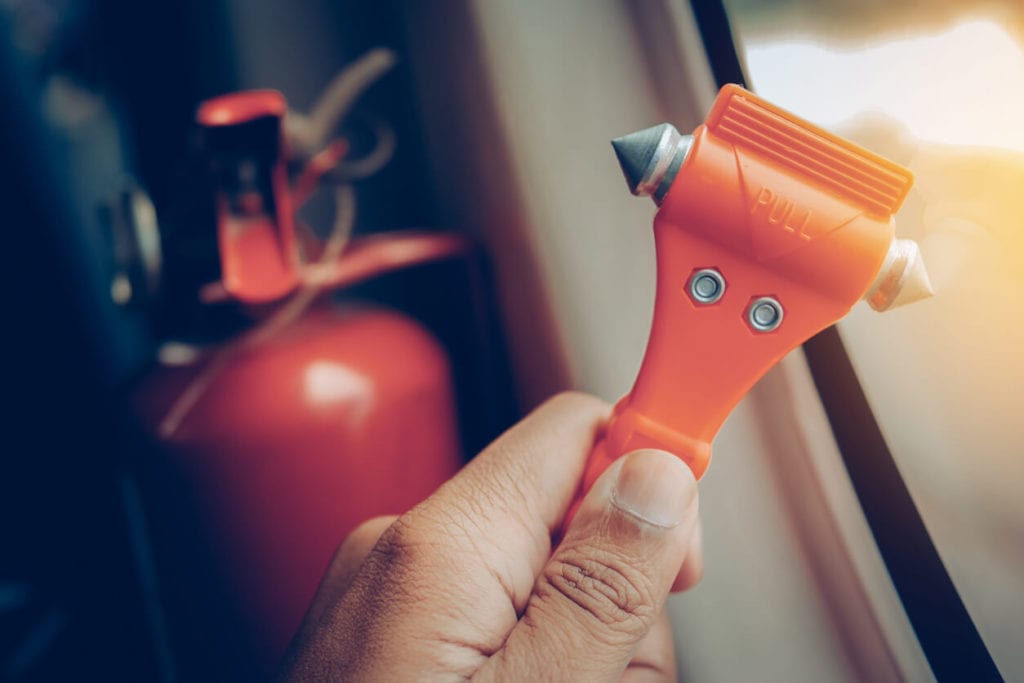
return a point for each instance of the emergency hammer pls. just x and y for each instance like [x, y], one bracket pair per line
[768, 230]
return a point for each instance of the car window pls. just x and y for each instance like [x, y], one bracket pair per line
[938, 87]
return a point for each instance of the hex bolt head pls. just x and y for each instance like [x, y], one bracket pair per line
[706, 286]
[764, 314]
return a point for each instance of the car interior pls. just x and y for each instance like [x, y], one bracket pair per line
[281, 267]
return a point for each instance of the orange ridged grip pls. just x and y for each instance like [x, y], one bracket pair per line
[780, 208]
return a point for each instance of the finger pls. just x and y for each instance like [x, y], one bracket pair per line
[600, 594]
[509, 499]
[692, 570]
[655, 658]
[539, 460]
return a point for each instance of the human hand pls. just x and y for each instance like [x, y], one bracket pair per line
[465, 585]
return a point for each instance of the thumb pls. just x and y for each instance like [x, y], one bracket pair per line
[607, 582]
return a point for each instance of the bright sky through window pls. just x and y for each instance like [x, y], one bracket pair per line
[954, 87]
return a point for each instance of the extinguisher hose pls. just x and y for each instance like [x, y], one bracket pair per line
[310, 132]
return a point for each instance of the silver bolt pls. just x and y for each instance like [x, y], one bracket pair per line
[765, 314]
[707, 286]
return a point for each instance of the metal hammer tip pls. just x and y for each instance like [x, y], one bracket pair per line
[650, 159]
[902, 279]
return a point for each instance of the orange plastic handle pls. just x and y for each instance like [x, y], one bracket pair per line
[781, 209]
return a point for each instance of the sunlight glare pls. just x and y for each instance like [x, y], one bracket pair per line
[963, 86]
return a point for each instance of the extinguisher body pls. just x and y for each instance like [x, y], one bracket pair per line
[345, 415]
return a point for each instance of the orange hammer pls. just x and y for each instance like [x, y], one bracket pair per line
[769, 229]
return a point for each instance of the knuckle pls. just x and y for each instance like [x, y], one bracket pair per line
[357, 545]
[400, 545]
[366, 534]
[605, 587]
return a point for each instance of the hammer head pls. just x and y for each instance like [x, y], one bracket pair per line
[769, 229]
[785, 195]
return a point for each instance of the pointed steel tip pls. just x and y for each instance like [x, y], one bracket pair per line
[650, 158]
[631, 168]
[917, 286]
[902, 280]
[635, 153]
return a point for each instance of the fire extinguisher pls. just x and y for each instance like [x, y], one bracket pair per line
[318, 417]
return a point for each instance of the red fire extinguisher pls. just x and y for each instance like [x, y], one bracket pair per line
[319, 416]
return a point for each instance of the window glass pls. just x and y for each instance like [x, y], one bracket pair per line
[939, 87]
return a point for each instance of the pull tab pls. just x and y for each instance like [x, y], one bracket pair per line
[243, 139]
